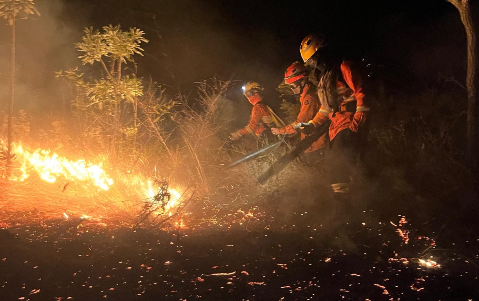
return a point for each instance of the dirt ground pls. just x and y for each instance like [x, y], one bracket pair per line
[268, 255]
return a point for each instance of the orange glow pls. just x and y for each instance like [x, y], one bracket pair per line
[50, 166]
[83, 184]
[429, 263]
[181, 224]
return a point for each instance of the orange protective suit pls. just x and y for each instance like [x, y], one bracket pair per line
[260, 119]
[309, 107]
[345, 105]
[353, 110]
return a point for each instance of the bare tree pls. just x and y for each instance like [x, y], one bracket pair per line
[463, 6]
[11, 10]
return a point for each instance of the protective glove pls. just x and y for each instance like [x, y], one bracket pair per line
[235, 135]
[277, 131]
[307, 128]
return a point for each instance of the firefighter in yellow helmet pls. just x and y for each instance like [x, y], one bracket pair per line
[296, 76]
[343, 101]
[262, 117]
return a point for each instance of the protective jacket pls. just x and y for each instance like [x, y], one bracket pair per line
[309, 107]
[345, 105]
[261, 117]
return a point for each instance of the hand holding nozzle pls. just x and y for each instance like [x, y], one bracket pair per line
[276, 131]
[306, 128]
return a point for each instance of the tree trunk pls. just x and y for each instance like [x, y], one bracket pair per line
[12, 97]
[135, 121]
[119, 100]
[466, 18]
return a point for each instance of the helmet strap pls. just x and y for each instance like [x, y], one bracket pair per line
[302, 85]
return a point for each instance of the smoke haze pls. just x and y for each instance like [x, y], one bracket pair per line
[191, 41]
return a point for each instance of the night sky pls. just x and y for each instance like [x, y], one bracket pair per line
[190, 41]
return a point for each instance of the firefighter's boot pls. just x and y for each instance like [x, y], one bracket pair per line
[341, 202]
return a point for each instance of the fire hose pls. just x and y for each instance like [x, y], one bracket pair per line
[284, 160]
[258, 152]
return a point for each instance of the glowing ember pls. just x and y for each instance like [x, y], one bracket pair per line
[403, 233]
[181, 224]
[429, 263]
[222, 274]
[385, 291]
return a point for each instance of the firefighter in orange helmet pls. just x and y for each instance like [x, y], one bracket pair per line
[344, 101]
[296, 76]
[262, 117]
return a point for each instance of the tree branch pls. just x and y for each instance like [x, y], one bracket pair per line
[457, 3]
[105, 68]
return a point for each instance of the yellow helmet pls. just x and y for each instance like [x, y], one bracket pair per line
[310, 44]
[251, 87]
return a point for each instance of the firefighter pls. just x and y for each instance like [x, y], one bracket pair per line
[343, 100]
[262, 117]
[296, 76]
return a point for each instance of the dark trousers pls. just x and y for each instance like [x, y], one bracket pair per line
[343, 154]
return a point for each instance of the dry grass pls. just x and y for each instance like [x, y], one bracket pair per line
[190, 153]
[192, 157]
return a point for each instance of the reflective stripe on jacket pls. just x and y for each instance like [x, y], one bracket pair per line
[309, 107]
[347, 115]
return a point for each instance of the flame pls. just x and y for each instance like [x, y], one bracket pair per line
[148, 188]
[151, 189]
[51, 167]
[181, 224]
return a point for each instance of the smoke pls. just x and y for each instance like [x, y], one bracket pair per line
[191, 41]
[44, 44]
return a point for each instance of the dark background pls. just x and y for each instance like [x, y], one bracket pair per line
[419, 42]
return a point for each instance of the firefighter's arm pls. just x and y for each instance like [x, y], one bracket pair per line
[353, 78]
[321, 117]
[306, 113]
[309, 107]
[254, 122]
[289, 129]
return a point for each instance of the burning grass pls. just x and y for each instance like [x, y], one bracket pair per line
[72, 173]
[51, 185]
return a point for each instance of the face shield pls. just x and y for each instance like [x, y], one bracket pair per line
[248, 93]
[296, 87]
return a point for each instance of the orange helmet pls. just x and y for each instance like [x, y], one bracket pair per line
[294, 73]
[310, 44]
